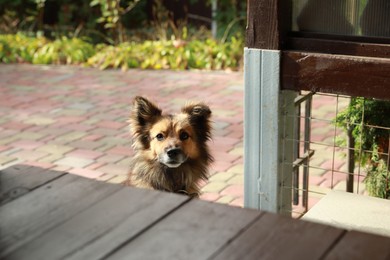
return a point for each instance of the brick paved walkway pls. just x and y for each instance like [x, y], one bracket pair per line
[74, 119]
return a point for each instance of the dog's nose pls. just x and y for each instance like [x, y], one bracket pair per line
[173, 152]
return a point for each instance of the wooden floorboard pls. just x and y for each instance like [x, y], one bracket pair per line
[17, 180]
[40, 210]
[195, 231]
[97, 231]
[357, 245]
[278, 237]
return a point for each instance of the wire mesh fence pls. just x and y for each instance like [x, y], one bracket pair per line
[340, 143]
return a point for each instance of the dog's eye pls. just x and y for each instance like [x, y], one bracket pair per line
[184, 136]
[160, 137]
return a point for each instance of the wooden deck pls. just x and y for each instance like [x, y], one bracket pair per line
[55, 215]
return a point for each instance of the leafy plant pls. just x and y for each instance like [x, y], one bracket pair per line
[19, 48]
[111, 13]
[64, 51]
[378, 177]
[38, 50]
[173, 54]
[170, 54]
[368, 121]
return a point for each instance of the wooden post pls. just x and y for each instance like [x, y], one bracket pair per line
[268, 111]
[268, 133]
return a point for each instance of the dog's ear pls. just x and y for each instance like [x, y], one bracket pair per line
[143, 114]
[199, 118]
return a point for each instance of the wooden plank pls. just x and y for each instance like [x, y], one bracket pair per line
[357, 245]
[267, 23]
[252, 127]
[102, 228]
[337, 74]
[18, 180]
[265, 106]
[276, 237]
[195, 231]
[42, 209]
[339, 47]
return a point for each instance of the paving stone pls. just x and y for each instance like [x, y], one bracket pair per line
[105, 177]
[118, 179]
[61, 168]
[88, 145]
[237, 180]
[8, 140]
[95, 165]
[111, 124]
[51, 158]
[225, 199]
[91, 174]
[6, 159]
[104, 147]
[55, 149]
[221, 177]
[120, 150]
[238, 202]
[39, 120]
[87, 154]
[113, 169]
[210, 196]
[44, 165]
[29, 136]
[111, 158]
[237, 151]
[74, 162]
[27, 155]
[214, 187]
[16, 126]
[69, 137]
[27, 144]
[234, 190]
[4, 148]
[220, 166]
[125, 162]
[237, 169]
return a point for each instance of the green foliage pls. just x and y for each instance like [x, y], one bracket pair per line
[173, 54]
[21, 48]
[369, 122]
[170, 54]
[111, 15]
[378, 177]
[361, 115]
[64, 51]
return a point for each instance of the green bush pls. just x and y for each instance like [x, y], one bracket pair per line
[378, 177]
[171, 54]
[368, 122]
[19, 48]
[64, 51]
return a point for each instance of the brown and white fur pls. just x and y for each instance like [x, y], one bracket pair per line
[172, 153]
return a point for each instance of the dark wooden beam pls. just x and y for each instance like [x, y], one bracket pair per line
[268, 23]
[337, 74]
[339, 47]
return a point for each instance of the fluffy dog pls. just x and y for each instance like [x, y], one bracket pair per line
[171, 150]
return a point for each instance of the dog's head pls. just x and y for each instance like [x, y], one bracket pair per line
[170, 139]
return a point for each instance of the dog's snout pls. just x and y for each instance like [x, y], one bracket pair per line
[173, 152]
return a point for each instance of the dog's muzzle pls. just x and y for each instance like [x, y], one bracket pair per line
[173, 157]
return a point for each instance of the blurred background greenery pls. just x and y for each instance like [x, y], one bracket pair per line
[156, 34]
